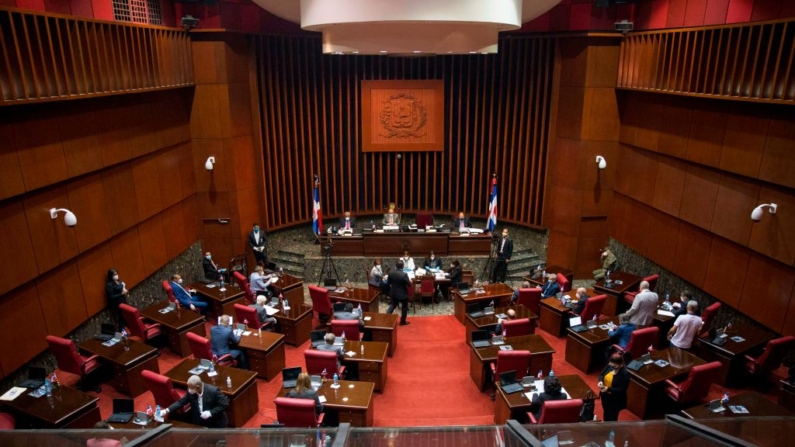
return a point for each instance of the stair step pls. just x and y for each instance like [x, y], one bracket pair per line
[523, 251]
[290, 254]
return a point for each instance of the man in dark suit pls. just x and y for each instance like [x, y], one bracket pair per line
[329, 346]
[222, 338]
[552, 391]
[551, 287]
[582, 297]
[347, 222]
[211, 270]
[186, 297]
[399, 284]
[432, 262]
[257, 241]
[504, 252]
[207, 404]
[461, 222]
[349, 314]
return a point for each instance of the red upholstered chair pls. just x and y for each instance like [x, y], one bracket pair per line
[319, 361]
[629, 297]
[243, 284]
[411, 291]
[163, 389]
[515, 328]
[558, 412]
[518, 361]
[427, 289]
[321, 303]
[696, 386]
[771, 357]
[169, 292]
[249, 316]
[639, 342]
[200, 347]
[136, 325]
[708, 316]
[593, 307]
[7, 421]
[563, 282]
[71, 361]
[424, 219]
[531, 299]
[350, 327]
[297, 413]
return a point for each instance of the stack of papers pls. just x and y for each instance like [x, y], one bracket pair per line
[539, 386]
[13, 393]
[665, 313]
[271, 310]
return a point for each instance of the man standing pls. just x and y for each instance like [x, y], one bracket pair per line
[222, 338]
[347, 222]
[399, 284]
[686, 327]
[608, 263]
[644, 307]
[257, 242]
[207, 404]
[504, 252]
[461, 222]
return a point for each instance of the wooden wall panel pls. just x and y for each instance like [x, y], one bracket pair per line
[18, 262]
[174, 231]
[94, 224]
[726, 270]
[706, 137]
[127, 257]
[744, 144]
[674, 130]
[692, 254]
[114, 137]
[153, 244]
[733, 205]
[53, 242]
[778, 164]
[660, 239]
[789, 323]
[170, 177]
[81, 144]
[699, 195]
[122, 204]
[40, 150]
[670, 184]
[767, 291]
[774, 235]
[147, 186]
[93, 267]
[21, 305]
[10, 171]
[61, 299]
[190, 218]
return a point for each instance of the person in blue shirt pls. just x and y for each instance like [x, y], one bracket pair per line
[223, 340]
[551, 288]
[621, 334]
[185, 296]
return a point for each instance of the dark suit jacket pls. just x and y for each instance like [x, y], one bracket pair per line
[308, 394]
[342, 223]
[435, 264]
[456, 275]
[221, 339]
[182, 295]
[457, 223]
[210, 271]
[333, 348]
[550, 289]
[507, 250]
[213, 400]
[616, 394]
[113, 292]
[399, 283]
[580, 304]
[252, 242]
[539, 399]
[350, 316]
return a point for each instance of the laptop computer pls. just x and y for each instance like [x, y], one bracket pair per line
[463, 288]
[473, 310]
[317, 338]
[497, 340]
[338, 341]
[575, 324]
[715, 406]
[488, 310]
[338, 307]
[646, 359]
[123, 410]
[141, 418]
[106, 332]
[508, 382]
[36, 376]
[529, 382]
[290, 376]
[480, 339]
[635, 365]
[591, 324]
[330, 283]
[316, 380]
[716, 337]
[551, 441]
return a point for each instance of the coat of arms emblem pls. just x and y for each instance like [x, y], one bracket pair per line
[403, 116]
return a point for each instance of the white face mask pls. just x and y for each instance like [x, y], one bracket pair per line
[191, 391]
[115, 277]
[452, 266]
[432, 257]
[179, 281]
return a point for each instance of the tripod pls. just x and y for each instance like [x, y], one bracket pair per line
[328, 270]
[489, 267]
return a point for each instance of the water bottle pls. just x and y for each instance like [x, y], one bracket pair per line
[362, 348]
[336, 379]
[281, 271]
[327, 441]
[48, 387]
[544, 273]
[347, 283]
[611, 438]
[212, 366]
[343, 336]
[222, 283]
[228, 382]
[626, 443]
[259, 332]
[551, 372]
[667, 299]
[158, 414]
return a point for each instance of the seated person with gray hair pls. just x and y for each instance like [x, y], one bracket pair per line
[686, 327]
[515, 296]
[262, 313]
[350, 314]
[329, 345]
[207, 404]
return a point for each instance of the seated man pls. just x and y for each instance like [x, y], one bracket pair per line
[608, 263]
[207, 404]
[680, 308]
[329, 345]
[262, 313]
[551, 288]
[432, 262]
[350, 314]
[259, 282]
[515, 296]
[509, 315]
[582, 296]
[686, 327]
[461, 222]
[186, 298]
[223, 339]
[391, 218]
[347, 222]
[211, 270]
[622, 333]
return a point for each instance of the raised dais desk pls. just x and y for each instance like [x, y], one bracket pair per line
[393, 243]
[499, 293]
[358, 297]
[480, 358]
[352, 401]
[126, 359]
[175, 324]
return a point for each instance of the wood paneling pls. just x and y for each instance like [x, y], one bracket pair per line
[127, 257]
[778, 164]
[692, 254]
[670, 184]
[734, 203]
[744, 144]
[170, 173]
[774, 235]
[789, 323]
[726, 270]
[674, 129]
[174, 231]
[94, 225]
[53, 242]
[61, 299]
[767, 291]
[706, 137]
[18, 261]
[122, 204]
[39, 148]
[147, 186]
[93, 267]
[643, 168]
[660, 245]
[10, 171]
[153, 244]
[699, 195]
[190, 218]
[21, 306]
[80, 142]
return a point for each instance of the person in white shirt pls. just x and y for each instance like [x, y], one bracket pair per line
[408, 262]
[686, 327]
[644, 307]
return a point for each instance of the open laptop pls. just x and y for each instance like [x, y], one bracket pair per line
[106, 332]
[508, 382]
[551, 441]
[338, 341]
[317, 338]
[635, 365]
[36, 376]
[575, 324]
[338, 307]
[480, 339]
[330, 283]
[290, 376]
[463, 288]
[488, 310]
[123, 410]
[141, 418]
[473, 310]
[316, 380]
[497, 340]
[646, 359]
[716, 337]
[715, 406]
[591, 324]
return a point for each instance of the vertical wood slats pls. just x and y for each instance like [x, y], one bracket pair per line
[48, 57]
[747, 62]
[496, 115]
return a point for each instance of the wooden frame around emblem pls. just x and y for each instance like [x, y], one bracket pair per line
[402, 116]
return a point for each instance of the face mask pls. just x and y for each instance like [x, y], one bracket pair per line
[256, 230]
[452, 266]
[208, 257]
[551, 281]
[115, 277]
[191, 391]
[347, 218]
[179, 281]
[432, 257]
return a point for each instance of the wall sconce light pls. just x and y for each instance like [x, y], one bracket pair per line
[601, 162]
[208, 165]
[69, 217]
[759, 211]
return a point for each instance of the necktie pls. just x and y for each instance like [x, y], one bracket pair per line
[347, 224]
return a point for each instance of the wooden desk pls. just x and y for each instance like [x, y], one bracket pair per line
[586, 350]
[154, 424]
[732, 354]
[66, 408]
[364, 297]
[554, 317]
[472, 244]
[756, 404]
[499, 292]
[286, 282]
[383, 328]
[127, 359]
[296, 323]
[480, 358]
[787, 397]
[615, 292]
[265, 353]
[392, 244]
[175, 325]
[550, 269]
[372, 365]
[352, 401]
[515, 405]
[220, 303]
[647, 384]
[243, 397]
[489, 321]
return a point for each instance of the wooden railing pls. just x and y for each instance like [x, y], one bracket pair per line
[752, 62]
[45, 57]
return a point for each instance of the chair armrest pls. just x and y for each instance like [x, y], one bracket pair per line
[748, 358]
[88, 361]
[320, 419]
[671, 383]
[226, 358]
[532, 418]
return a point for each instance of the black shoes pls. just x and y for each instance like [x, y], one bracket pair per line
[405, 323]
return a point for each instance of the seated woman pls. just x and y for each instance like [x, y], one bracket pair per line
[376, 277]
[552, 391]
[456, 275]
[303, 390]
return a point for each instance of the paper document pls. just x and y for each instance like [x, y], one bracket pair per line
[368, 318]
[322, 399]
[350, 353]
[271, 310]
[13, 393]
[212, 373]
[665, 313]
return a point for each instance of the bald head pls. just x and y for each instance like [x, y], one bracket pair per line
[511, 314]
[644, 285]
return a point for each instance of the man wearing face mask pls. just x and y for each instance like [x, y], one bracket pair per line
[551, 288]
[432, 262]
[207, 404]
[504, 252]
[186, 297]
[211, 270]
[408, 262]
[257, 241]
[347, 222]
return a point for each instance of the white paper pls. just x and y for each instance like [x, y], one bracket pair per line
[322, 399]
[13, 393]
[271, 310]
[665, 313]
[212, 373]
[350, 353]
[368, 318]
[247, 333]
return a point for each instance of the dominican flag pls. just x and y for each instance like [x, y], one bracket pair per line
[317, 221]
[493, 205]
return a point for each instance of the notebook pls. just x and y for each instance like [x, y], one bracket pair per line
[123, 410]
[508, 382]
[317, 338]
[36, 376]
[290, 376]
[480, 339]
[576, 324]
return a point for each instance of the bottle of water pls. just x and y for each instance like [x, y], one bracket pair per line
[611, 438]
[362, 348]
[158, 414]
[725, 399]
[347, 283]
[544, 273]
[551, 372]
[212, 366]
[222, 282]
[48, 387]
[228, 382]
[336, 379]
[667, 300]
[343, 336]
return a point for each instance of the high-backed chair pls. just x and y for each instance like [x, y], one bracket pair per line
[515, 328]
[771, 357]
[563, 282]
[593, 307]
[71, 361]
[411, 291]
[531, 299]
[558, 412]
[468, 276]
[427, 289]
[163, 390]
[297, 413]
[696, 386]
[350, 327]
[249, 316]
[319, 361]
[169, 292]
[639, 342]
[518, 361]
[136, 325]
[7, 421]
[708, 316]
[200, 347]
[629, 297]
[243, 284]
[321, 303]
[424, 219]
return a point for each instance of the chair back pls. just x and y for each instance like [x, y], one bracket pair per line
[708, 316]
[641, 339]
[162, 388]
[169, 291]
[7, 421]
[652, 280]
[515, 328]
[317, 361]
[350, 327]
[199, 346]
[424, 219]
[531, 299]
[248, 315]
[297, 413]
[518, 361]
[133, 320]
[321, 302]
[66, 355]
[696, 386]
[560, 411]
[427, 286]
[563, 282]
[243, 284]
[593, 307]
[774, 353]
[468, 276]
